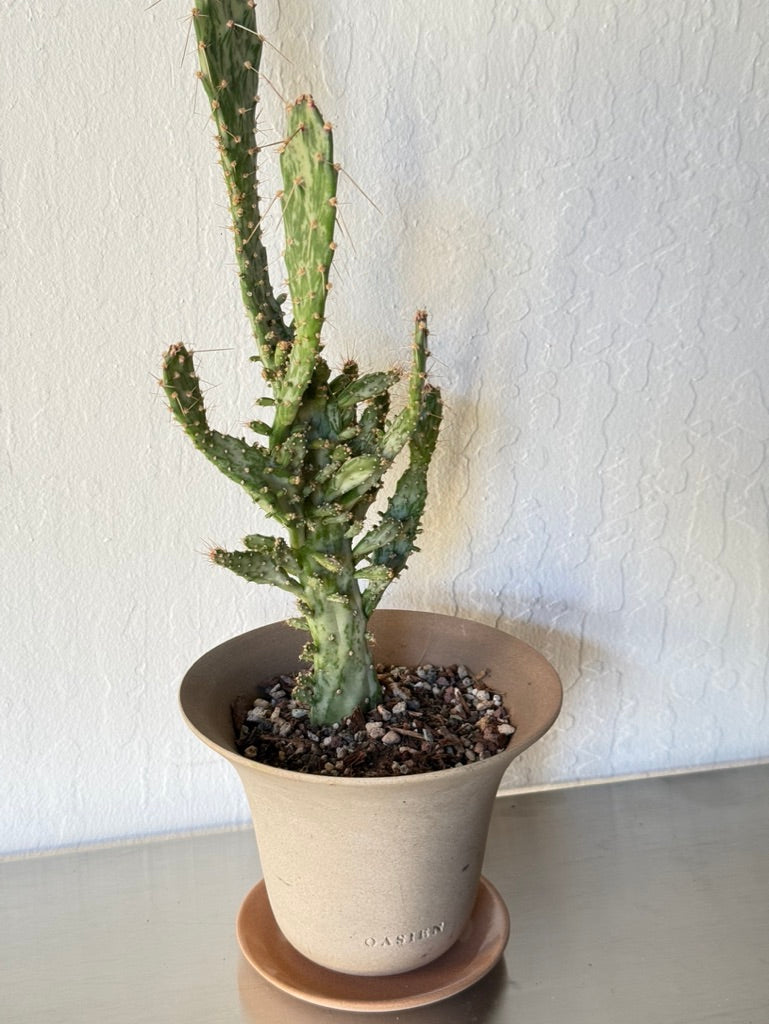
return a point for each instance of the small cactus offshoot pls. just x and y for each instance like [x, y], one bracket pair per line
[327, 439]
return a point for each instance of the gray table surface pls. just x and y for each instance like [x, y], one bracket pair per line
[643, 902]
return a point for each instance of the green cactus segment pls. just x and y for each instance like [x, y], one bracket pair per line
[309, 216]
[365, 388]
[357, 474]
[403, 426]
[390, 543]
[309, 213]
[268, 560]
[182, 388]
[248, 465]
[229, 54]
[372, 422]
[401, 520]
[386, 532]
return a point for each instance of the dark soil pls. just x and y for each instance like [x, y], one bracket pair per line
[429, 719]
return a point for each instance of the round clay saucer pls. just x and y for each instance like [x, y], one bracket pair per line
[473, 955]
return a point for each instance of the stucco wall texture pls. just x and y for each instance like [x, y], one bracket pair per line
[577, 191]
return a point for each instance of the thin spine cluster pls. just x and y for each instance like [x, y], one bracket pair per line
[328, 439]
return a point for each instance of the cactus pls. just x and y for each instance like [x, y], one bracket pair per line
[321, 453]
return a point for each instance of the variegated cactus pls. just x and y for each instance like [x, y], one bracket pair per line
[326, 440]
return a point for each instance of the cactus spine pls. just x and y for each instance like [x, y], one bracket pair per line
[319, 459]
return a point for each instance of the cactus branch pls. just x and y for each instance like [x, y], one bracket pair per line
[229, 55]
[267, 560]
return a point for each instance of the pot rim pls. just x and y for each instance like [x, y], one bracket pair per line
[192, 711]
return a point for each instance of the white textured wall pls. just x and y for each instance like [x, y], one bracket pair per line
[578, 192]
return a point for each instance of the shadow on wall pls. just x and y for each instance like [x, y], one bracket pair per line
[596, 728]
[597, 733]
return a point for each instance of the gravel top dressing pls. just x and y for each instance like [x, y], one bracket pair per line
[429, 718]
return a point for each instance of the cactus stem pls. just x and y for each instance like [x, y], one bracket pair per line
[318, 467]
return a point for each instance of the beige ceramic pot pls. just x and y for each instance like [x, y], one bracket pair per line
[373, 876]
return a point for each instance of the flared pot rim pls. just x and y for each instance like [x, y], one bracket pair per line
[198, 698]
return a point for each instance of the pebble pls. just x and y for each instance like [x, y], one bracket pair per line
[391, 738]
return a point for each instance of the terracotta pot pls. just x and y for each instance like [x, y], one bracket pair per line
[373, 876]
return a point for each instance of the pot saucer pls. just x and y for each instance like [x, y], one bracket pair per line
[473, 955]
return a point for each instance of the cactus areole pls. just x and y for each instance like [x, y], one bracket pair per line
[326, 439]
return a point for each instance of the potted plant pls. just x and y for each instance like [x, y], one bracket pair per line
[323, 444]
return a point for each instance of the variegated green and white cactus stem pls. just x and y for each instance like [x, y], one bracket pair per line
[326, 439]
